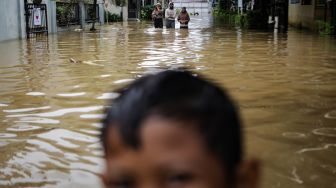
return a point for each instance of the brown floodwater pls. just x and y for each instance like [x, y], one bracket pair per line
[285, 85]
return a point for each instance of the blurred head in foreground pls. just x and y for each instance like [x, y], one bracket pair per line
[174, 129]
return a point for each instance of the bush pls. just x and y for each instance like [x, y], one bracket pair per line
[112, 17]
[120, 3]
[257, 19]
[325, 28]
[65, 14]
[225, 16]
[178, 10]
[146, 12]
[241, 20]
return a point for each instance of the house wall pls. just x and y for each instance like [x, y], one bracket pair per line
[113, 9]
[302, 16]
[12, 19]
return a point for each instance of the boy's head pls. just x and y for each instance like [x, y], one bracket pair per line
[171, 5]
[174, 129]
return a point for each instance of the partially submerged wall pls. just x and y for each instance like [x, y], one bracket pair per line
[302, 16]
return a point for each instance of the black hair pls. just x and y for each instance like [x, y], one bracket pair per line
[184, 96]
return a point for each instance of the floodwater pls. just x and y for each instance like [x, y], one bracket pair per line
[285, 85]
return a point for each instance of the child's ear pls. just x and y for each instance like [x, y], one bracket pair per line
[248, 174]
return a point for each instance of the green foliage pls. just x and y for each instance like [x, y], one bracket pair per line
[241, 20]
[113, 17]
[178, 10]
[146, 12]
[257, 19]
[220, 13]
[325, 28]
[120, 3]
[65, 13]
[226, 17]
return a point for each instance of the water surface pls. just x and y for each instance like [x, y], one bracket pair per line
[285, 85]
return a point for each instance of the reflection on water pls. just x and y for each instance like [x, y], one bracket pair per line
[50, 107]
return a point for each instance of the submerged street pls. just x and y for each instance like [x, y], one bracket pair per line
[50, 107]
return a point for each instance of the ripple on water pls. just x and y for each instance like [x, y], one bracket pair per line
[92, 116]
[3, 143]
[327, 131]
[61, 112]
[83, 178]
[97, 125]
[122, 81]
[293, 135]
[35, 94]
[27, 109]
[38, 120]
[331, 115]
[7, 135]
[71, 94]
[105, 96]
[44, 145]
[3, 105]
[105, 75]
[23, 128]
[91, 132]
[63, 138]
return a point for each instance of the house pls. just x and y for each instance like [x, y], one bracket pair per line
[305, 13]
[15, 22]
[23, 18]
[78, 13]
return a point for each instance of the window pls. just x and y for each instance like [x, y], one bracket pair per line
[295, 1]
[320, 2]
[306, 2]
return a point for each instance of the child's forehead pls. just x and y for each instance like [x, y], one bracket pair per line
[157, 130]
[167, 148]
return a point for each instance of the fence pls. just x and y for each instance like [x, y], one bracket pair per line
[36, 19]
[67, 14]
[89, 13]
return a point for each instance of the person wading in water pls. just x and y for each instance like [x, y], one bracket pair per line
[170, 15]
[183, 18]
[157, 16]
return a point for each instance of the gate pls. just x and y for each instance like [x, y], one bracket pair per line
[36, 19]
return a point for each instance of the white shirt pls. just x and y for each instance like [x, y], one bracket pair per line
[170, 14]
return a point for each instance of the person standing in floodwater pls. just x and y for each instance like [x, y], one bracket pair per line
[183, 18]
[157, 16]
[170, 15]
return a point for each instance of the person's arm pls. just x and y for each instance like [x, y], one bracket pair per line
[166, 14]
[153, 14]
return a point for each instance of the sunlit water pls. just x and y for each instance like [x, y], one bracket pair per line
[285, 85]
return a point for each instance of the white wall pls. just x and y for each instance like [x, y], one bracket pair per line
[51, 8]
[116, 9]
[301, 15]
[12, 19]
[202, 8]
